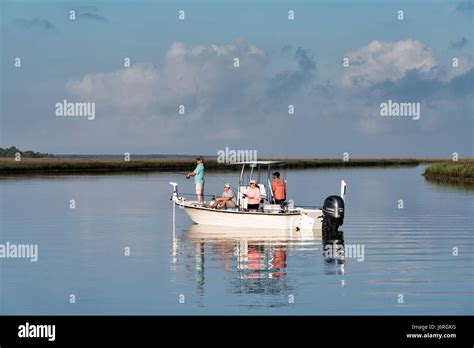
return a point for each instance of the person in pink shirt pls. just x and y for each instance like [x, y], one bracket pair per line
[253, 196]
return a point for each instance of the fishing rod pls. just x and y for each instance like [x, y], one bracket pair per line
[188, 177]
[190, 194]
[185, 174]
[236, 190]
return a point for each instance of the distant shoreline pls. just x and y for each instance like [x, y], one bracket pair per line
[88, 165]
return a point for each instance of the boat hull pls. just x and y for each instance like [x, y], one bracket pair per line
[301, 219]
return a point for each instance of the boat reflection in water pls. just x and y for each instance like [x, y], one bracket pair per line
[259, 257]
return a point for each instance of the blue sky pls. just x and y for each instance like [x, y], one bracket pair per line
[282, 62]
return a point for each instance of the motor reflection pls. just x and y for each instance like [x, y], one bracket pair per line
[333, 251]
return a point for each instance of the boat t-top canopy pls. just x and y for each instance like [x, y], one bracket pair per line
[263, 181]
[255, 163]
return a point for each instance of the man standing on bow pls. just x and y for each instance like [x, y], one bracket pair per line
[198, 174]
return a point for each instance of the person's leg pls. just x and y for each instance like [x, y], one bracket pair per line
[199, 192]
[202, 194]
[229, 204]
[252, 207]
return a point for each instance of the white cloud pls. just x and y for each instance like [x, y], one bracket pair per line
[198, 77]
[129, 90]
[464, 65]
[388, 61]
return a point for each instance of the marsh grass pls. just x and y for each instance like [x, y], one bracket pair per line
[104, 165]
[462, 171]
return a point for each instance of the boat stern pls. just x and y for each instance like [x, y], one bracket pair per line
[310, 219]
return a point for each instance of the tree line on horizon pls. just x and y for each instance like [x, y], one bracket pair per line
[10, 152]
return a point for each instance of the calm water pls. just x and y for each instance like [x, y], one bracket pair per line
[407, 251]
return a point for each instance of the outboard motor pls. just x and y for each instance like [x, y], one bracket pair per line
[333, 239]
[333, 216]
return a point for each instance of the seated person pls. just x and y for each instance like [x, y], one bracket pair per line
[253, 196]
[227, 200]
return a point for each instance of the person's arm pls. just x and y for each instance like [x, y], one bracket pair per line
[221, 198]
[274, 186]
[194, 172]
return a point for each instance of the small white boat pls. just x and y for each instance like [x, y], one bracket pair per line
[269, 215]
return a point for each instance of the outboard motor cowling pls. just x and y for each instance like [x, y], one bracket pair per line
[333, 207]
[333, 214]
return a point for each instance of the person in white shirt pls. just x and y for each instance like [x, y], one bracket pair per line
[227, 200]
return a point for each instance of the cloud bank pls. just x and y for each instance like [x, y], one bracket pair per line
[239, 102]
[388, 61]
